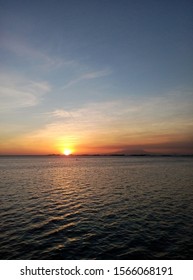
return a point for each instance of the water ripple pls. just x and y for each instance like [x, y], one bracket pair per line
[96, 208]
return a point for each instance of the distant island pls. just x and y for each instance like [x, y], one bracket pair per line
[53, 155]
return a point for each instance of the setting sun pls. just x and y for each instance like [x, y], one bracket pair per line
[67, 152]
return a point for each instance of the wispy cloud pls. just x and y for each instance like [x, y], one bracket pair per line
[96, 74]
[119, 125]
[175, 105]
[24, 50]
[88, 76]
[18, 92]
[129, 118]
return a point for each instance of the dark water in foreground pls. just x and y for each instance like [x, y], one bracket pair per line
[96, 208]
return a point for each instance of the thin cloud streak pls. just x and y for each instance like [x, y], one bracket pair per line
[88, 76]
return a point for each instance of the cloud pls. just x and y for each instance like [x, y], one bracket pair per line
[173, 108]
[37, 60]
[95, 74]
[60, 113]
[128, 120]
[20, 48]
[88, 76]
[129, 124]
[17, 92]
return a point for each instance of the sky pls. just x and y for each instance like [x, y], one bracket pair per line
[106, 76]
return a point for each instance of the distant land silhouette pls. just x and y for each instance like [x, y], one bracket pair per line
[117, 154]
[102, 155]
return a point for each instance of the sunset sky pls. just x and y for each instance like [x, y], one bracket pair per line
[93, 76]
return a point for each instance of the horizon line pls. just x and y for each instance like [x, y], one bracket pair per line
[98, 154]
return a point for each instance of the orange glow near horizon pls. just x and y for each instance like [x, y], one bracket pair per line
[40, 144]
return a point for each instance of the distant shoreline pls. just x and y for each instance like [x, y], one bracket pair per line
[102, 155]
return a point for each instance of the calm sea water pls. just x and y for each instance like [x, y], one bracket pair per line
[96, 208]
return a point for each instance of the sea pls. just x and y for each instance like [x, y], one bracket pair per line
[105, 208]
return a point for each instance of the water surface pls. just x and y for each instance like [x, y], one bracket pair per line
[96, 208]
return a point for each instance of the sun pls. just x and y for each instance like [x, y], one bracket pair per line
[67, 152]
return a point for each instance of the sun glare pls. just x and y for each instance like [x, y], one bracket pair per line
[67, 152]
